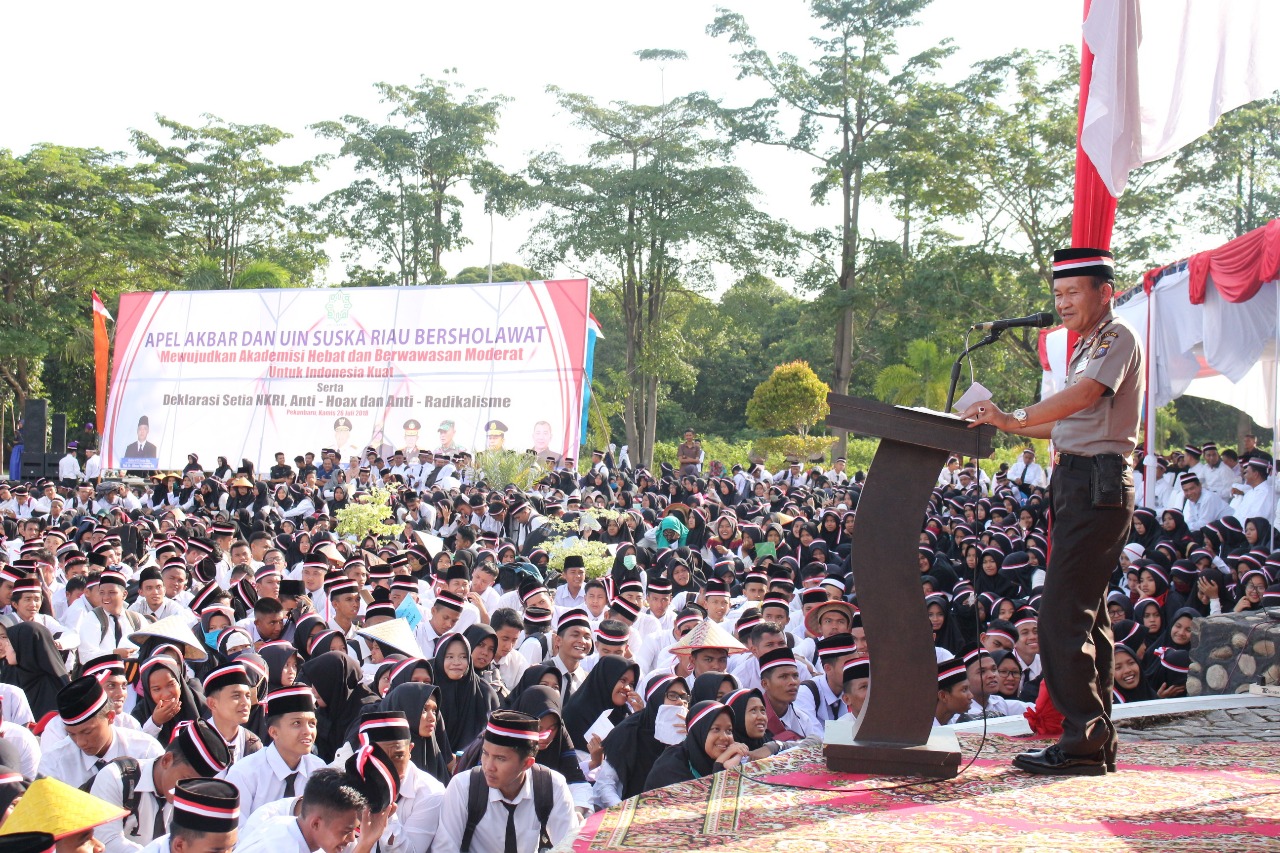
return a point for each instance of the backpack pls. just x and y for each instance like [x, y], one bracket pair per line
[478, 804]
[135, 619]
[812, 687]
[130, 775]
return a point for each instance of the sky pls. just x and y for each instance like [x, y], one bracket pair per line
[93, 71]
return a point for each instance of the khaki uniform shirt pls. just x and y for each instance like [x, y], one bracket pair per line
[1109, 355]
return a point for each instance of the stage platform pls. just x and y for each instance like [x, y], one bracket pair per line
[1222, 797]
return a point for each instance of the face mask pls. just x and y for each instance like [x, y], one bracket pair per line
[629, 561]
[211, 638]
[544, 738]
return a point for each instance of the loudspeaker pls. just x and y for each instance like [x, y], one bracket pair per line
[58, 434]
[35, 427]
[35, 466]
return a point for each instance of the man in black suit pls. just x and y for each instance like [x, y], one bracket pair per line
[141, 449]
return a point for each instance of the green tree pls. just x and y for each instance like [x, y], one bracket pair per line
[1232, 174]
[404, 208]
[655, 202]
[227, 204]
[71, 220]
[793, 399]
[843, 102]
[921, 381]
[505, 271]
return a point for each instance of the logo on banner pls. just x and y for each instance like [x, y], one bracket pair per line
[338, 307]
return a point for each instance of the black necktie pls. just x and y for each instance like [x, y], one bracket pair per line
[115, 620]
[99, 764]
[835, 709]
[568, 687]
[158, 828]
[511, 827]
[288, 783]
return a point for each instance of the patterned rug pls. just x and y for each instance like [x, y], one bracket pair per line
[1165, 796]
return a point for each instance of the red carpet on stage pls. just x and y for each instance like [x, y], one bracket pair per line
[1165, 797]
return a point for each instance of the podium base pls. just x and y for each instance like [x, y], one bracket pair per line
[937, 759]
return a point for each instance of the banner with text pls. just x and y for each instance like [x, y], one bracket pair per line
[246, 373]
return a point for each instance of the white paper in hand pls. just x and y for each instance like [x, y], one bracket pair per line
[975, 394]
[600, 727]
[669, 727]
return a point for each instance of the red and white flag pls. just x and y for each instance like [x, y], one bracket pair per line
[100, 309]
[1164, 71]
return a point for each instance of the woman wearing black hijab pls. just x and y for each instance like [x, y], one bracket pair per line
[631, 749]
[282, 665]
[555, 747]
[708, 748]
[165, 698]
[1174, 530]
[484, 647]
[751, 722]
[989, 577]
[712, 687]
[946, 635]
[33, 663]
[1130, 683]
[420, 703]
[302, 634]
[545, 674]
[335, 678]
[1146, 528]
[411, 671]
[610, 686]
[465, 699]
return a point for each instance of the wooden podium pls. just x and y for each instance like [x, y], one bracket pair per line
[894, 735]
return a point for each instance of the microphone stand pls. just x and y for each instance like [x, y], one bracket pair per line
[991, 338]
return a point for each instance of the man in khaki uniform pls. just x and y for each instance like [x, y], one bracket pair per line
[1093, 422]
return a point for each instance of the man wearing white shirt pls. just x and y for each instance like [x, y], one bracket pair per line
[282, 769]
[1027, 474]
[109, 670]
[571, 593]
[105, 630]
[206, 814]
[413, 826]
[92, 465]
[508, 626]
[92, 741]
[1199, 505]
[780, 683]
[328, 821]
[69, 467]
[819, 698]
[151, 599]
[510, 822]
[195, 752]
[1256, 497]
[1218, 477]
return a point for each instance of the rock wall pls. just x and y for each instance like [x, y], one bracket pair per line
[1232, 651]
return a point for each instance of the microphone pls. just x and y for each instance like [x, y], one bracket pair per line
[1041, 320]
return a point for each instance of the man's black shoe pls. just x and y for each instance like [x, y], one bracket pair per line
[1054, 762]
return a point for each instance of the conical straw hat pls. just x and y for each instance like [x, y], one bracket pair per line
[708, 635]
[173, 628]
[58, 809]
[395, 634]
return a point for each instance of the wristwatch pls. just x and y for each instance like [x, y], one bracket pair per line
[1020, 415]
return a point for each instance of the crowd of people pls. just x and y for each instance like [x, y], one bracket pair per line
[205, 662]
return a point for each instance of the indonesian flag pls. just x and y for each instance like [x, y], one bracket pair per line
[1164, 71]
[101, 309]
[101, 356]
